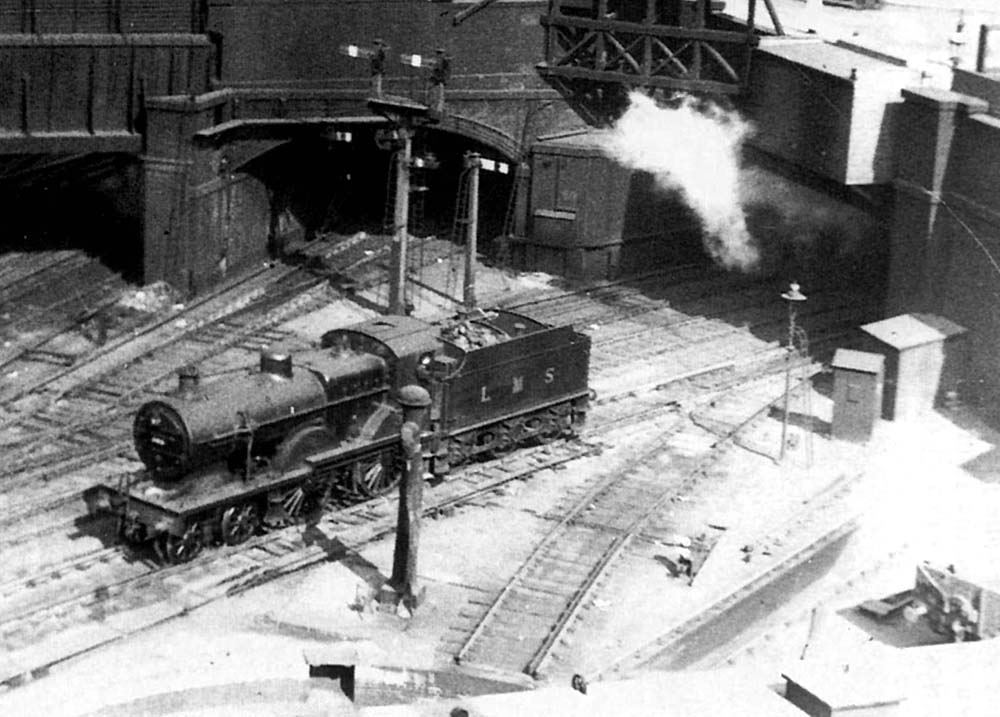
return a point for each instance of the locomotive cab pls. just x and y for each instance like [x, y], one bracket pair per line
[409, 347]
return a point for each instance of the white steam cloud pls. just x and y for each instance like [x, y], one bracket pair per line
[696, 151]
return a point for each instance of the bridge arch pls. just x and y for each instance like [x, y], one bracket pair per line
[481, 132]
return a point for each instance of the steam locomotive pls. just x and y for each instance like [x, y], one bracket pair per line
[225, 458]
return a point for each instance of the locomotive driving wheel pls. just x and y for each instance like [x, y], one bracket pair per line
[239, 523]
[377, 474]
[176, 549]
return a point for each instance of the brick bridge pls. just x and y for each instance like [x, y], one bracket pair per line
[214, 106]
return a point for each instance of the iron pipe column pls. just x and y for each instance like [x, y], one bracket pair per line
[403, 585]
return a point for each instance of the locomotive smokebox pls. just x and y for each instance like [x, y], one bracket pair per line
[188, 380]
[277, 362]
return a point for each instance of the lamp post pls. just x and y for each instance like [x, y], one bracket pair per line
[792, 297]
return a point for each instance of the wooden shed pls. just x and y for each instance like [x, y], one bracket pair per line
[821, 690]
[592, 217]
[924, 361]
[857, 394]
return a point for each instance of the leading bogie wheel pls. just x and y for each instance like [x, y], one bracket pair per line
[176, 549]
[239, 523]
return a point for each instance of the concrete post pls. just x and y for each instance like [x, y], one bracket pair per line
[403, 585]
[401, 220]
[473, 162]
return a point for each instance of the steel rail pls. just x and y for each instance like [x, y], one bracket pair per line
[22, 455]
[113, 345]
[274, 559]
[635, 528]
[832, 495]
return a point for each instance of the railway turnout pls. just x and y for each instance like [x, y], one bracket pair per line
[98, 595]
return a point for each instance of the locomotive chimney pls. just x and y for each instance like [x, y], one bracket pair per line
[277, 362]
[187, 380]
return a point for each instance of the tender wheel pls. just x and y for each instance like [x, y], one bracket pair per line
[557, 423]
[173, 549]
[507, 438]
[239, 523]
[460, 451]
[376, 475]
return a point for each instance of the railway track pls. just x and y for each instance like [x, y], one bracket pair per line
[94, 416]
[84, 418]
[24, 272]
[532, 613]
[145, 597]
[731, 367]
[54, 314]
[108, 581]
[123, 347]
[726, 366]
[761, 637]
[254, 287]
[825, 519]
[286, 551]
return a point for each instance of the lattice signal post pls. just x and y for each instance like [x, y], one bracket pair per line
[796, 335]
[406, 115]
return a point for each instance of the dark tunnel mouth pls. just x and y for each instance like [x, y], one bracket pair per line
[332, 188]
[89, 203]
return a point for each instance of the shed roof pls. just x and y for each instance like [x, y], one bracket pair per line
[842, 688]
[858, 361]
[836, 60]
[946, 326]
[576, 143]
[679, 694]
[903, 332]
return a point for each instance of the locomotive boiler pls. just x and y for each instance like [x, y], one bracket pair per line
[225, 458]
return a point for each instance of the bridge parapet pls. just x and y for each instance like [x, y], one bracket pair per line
[85, 93]
[48, 17]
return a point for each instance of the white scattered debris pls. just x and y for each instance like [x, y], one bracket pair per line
[152, 298]
[12, 374]
[682, 541]
[514, 488]
[181, 323]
